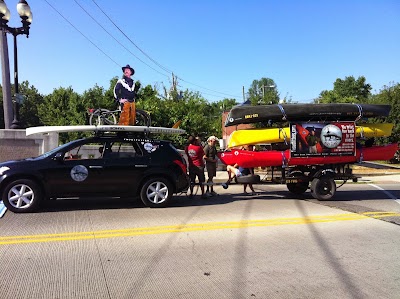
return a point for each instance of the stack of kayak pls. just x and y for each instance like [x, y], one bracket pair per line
[277, 135]
[339, 127]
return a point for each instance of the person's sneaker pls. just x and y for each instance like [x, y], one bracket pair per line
[213, 193]
[209, 194]
[224, 185]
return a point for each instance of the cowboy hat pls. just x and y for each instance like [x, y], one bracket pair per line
[128, 67]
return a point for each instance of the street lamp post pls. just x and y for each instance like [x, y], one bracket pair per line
[25, 13]
[264, 87]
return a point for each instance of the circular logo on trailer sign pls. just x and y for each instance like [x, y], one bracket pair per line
[331, 136]
[79, 173]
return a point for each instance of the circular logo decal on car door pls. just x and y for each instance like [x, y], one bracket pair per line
[79, 173]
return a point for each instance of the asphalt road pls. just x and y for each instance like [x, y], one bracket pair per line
[270, 245]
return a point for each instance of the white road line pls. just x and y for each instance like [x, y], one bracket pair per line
[390, 195]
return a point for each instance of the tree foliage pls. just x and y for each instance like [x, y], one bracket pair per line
[196, 115]
[390, 95]
[63, 107]
[263, 91]
[348, 90]
[29, 115]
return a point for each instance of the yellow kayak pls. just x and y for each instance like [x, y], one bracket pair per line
[276, 135]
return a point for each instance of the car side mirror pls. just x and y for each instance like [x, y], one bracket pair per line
[59, 157]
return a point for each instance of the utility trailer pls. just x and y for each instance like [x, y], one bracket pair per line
[320, 179]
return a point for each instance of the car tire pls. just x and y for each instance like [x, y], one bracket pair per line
[249, 179]
[22, 196]
[156, 192]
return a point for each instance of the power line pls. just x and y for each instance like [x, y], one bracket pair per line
[144, 53]
[117, 40]
[81, 33]
[158, 64]
[163, 68]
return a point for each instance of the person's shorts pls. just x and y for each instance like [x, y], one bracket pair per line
[211, 169]
[242, 171]
[237, 173]
[196, 171]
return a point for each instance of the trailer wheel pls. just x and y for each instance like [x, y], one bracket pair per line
[323, 188]
[299, 187]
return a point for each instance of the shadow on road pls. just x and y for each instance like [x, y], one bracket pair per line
[224, 198]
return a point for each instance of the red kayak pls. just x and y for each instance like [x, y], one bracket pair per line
[278, 158]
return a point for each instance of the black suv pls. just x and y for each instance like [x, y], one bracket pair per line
[102, 166]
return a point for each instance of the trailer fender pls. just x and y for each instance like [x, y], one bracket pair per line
[324, 173]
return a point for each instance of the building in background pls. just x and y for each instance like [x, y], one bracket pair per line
[227, 131]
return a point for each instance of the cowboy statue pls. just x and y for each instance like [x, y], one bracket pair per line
[125, 94]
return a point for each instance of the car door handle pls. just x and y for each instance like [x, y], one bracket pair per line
[95, 167]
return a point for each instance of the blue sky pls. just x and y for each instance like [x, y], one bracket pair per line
[214, 47]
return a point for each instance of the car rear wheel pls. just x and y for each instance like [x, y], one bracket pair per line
[156, 192]
[22, 196]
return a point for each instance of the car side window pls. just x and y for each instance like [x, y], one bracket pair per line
[86, 151]
[73, 154]
[122, 150]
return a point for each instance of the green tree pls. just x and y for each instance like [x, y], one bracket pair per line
[263, 91]
[108, 99]
[348, 90]
[63, 107]
[29, 115]
[28, 110]
[390, 94]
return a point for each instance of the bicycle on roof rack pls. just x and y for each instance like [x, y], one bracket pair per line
[102, 116]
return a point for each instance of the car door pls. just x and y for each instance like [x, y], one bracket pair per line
[125, 166]
[80, 172]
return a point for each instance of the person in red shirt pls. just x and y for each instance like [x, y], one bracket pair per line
[195, 155]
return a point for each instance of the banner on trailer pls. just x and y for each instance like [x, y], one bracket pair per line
[322, 139]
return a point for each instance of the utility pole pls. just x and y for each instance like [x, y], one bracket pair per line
[244, 98]
[5, 68]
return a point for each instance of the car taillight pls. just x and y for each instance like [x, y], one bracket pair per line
[181, 165]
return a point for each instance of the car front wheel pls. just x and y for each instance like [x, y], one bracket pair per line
[156, 192]
[22, 196]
